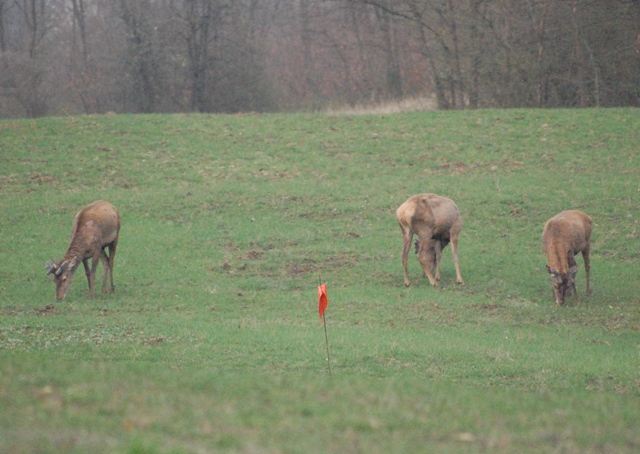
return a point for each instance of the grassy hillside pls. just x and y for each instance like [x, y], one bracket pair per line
[211, 341]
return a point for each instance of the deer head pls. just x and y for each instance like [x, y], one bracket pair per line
[427, 251]
[562, 283]
[62, 276]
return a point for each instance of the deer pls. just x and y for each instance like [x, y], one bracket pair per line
[436, 221]
[565, 235]
[95, 228]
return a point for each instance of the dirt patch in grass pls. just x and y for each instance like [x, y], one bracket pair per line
[488, 307]
[305, 267]
[253, 254]
[49, 309]
[334, 262]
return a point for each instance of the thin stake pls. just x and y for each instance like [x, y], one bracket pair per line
[326, 338]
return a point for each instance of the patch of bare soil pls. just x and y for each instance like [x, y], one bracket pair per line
[488, 307]
[49, 309]
[154, 341]
[297, 269]
[307, 266]
[42, 178]
[253, 254]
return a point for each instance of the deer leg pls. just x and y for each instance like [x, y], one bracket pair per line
[407, 235]
[454, 251]
[94, 264]
[423, 258]
[87, 273]
[112, 255]
[105, 265]
[572, 263]
[587, 267]
[438, 256]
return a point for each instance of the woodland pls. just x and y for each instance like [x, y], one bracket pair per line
[68, 57]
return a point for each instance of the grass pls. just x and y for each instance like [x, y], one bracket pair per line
[211, 342]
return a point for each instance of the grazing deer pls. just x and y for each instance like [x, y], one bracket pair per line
[436, 222]
[565, 235]
[95, 227]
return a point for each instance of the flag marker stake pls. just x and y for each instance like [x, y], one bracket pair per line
[324, 322]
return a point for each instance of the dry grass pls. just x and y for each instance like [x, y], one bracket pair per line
[417, 104]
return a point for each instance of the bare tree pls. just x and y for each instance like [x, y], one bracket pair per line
[198, 19]
[4, 7]
[25, 65]
[142, 65]
[79, 21]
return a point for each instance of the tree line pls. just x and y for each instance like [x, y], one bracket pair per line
[62, 57]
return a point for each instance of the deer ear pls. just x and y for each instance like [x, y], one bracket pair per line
[572, 272]
[552, 270]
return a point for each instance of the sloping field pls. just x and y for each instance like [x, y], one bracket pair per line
[211, 341]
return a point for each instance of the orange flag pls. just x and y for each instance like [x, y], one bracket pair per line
[323, 302]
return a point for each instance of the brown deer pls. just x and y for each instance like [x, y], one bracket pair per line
[565, 235]
[95, 227]
[436, 222]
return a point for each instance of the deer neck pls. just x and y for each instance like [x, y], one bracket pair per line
[559, 258]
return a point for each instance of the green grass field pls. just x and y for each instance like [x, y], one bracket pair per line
[212, 342]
